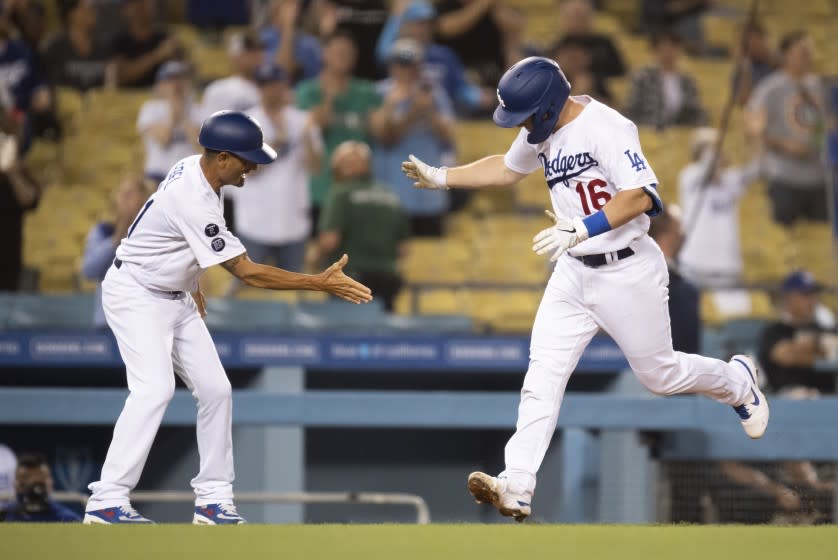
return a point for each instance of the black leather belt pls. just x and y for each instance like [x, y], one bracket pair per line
[117, 262]
[595, 261]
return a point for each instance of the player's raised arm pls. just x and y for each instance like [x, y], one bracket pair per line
[332, 280]
[487, 172]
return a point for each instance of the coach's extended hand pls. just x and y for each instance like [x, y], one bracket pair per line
[335, 282]
[424, 175]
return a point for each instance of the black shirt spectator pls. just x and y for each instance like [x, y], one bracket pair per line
[789, 348]
[76, 57]
[143, 47]
[576, 17]
[363, 20]
[684, 310]
[478, 39]
[19, 193]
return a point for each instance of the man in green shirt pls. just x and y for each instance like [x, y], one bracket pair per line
[340, 105]
[364, 219]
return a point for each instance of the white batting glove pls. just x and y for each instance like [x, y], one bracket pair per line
[425, 176]
[559, 238]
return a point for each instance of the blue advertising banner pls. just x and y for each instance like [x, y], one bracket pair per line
[92, 349]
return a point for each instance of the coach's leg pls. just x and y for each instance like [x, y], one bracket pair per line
[631, 306]
[562, 330]
[143, 328]
[197, 363]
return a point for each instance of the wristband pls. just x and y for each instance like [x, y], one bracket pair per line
[596, 223]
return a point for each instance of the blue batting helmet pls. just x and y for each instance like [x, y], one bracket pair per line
[236, 133]
[534, 87]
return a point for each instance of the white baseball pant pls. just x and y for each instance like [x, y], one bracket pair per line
[628, 300]
[158, 335]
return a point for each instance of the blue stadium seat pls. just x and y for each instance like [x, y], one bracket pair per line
[31, 311]
[226, 314]
[429, 324]
[340, 316]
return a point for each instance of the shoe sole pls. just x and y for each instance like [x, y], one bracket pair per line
[201, 520]
[93, 520]
[483, 493]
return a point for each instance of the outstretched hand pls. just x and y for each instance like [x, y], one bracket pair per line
[424, 175]
[560, 237]
[335, 282]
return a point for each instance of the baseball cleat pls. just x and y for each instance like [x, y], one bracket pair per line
[217, 514]
[488, 489]
[753, 413]
[114, 515]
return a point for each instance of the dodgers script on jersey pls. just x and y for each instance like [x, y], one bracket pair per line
[179, 232]
[585, 163]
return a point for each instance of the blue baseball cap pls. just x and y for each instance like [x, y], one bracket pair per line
[270, 74]
[419, 11]
[801, 281]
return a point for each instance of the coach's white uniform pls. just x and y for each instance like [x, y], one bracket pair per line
[178, 233]
[585, 163]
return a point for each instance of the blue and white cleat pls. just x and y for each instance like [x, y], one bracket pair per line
[754, 414]
[217, 514]
[488, 489]
[114, 515]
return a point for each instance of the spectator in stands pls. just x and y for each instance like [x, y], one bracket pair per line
[786, 112]
[169, 122]
[662, 95]
[340, 105]
[362, 20]
[288, 47]
[416, 117]
[217, 14]
[575, 59]
[29, 19]
[23, 94]
[684, 16]
[759, 60]
[416, 20]
[33, 488]
[143, 47]
[238, 92]
[789, 348]
[363, 218]
[684, 310]
[576, 17]
[515, 46]
[476, 30]
[104, 237]
[20, 192]
[76, 57]
[8, 466]
[272, 213]
[712, 256]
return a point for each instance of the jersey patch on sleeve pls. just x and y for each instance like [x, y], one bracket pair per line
[218, 244]
[211, 230]
[635, 160]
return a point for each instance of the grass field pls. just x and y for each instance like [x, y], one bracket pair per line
[408, 542]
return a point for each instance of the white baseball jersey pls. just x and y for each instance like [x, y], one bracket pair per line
[586, 162]
[274, 208]
[179, 232]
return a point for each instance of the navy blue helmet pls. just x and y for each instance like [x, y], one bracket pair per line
[534, 87]
[238, 134]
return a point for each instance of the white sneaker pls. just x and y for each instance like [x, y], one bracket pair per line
[753, 414]
[488, 489]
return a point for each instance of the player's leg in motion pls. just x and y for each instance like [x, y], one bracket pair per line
[197, 363]
[143, 326]
[562, 330]
[631, 305]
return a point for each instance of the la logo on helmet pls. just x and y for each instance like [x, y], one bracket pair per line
[500, 100]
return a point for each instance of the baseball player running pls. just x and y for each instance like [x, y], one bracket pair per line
[609, 274]
[178, 233]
